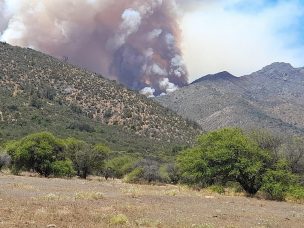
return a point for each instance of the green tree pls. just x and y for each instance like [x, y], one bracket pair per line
[86, 159]
[36, 152]
[120, 166]
[278, 181]
[222, 156]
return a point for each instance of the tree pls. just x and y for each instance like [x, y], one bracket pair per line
[293, 152]
[36, 152]
[222, 156]
[86, 159]
[267, 141]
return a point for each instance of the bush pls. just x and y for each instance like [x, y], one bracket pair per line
[81, 127]
[296, 193]
[36, 152]
[120, 166]
[277, 182]
[63, 168]
[222, 156]
[173, 173]
[5, 160]
[86, 159]
[164, 175]
[150, 170]
[135, 176]
[36, 102]
[217, 189]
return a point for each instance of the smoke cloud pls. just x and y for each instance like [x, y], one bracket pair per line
[134, 42]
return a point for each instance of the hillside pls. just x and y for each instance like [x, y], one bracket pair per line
[271, 98]
[39, 92]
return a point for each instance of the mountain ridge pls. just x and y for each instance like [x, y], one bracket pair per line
[269, 98]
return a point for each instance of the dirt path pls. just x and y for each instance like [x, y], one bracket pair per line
[39, 202]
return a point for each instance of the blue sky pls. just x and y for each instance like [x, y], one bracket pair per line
[242, 36]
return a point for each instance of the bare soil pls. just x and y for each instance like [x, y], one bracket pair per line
[39, 202]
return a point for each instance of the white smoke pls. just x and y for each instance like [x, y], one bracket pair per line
[166, 85]
[148, 91]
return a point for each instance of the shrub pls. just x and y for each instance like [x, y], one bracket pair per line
[63, 168]
[277, 182]
[36, 102]
[217, 189]
[173, 173]
[135, 176]
[163, 174]
[296, 193]
[150, 170]
[120, 166]
[5, 159]
[222, 156]
[86, 159]
[82, 127]
[36, 152]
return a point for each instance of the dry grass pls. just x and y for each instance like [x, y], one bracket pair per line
[39, 202]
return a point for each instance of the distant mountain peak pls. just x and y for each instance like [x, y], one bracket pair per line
[278, 66]
[224, 75]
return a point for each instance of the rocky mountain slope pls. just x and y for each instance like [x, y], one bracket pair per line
[40, 92]
[271, 98]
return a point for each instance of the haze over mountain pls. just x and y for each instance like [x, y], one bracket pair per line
[271, 98]
[39, 92]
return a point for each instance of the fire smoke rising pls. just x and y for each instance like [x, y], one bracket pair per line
[136, 42]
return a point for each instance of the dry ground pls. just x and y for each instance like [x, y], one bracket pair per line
[39, 202]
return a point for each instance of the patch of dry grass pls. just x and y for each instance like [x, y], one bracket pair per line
[89, 196]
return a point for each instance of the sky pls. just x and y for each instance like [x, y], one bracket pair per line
[242, 36]
[239, 36]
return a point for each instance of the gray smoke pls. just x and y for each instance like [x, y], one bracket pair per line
[133, 41]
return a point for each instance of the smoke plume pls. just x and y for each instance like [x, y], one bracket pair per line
[136, 42]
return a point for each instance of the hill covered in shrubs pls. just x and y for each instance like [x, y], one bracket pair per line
[39, 92]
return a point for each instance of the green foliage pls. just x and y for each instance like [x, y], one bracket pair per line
[217, 189]
[120, 166]
[277, 181]
[222, 156]
[36, 152]
[63, 168]
[135, 176]
[164, 174]
[86, 159]
[296, 193]
[173, 173]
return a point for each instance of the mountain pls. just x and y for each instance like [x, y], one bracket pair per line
[271, 98]
[215, 77]
[39, 92]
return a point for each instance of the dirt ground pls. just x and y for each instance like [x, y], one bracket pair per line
[40, 202]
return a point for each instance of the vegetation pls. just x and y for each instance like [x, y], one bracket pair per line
[230, 155]
[5, 159]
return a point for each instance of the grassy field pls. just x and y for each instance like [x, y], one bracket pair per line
[39, 202]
